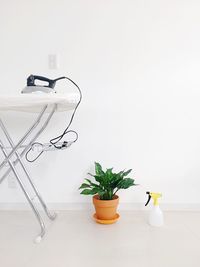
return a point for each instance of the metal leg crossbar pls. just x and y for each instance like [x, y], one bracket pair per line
[19, 160]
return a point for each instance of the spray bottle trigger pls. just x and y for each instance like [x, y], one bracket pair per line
[149, 198]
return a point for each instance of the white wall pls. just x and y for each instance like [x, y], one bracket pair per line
[138, 64]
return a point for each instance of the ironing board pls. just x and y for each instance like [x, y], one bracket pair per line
[40, 103]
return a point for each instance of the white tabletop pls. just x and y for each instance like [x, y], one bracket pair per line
[36, 101]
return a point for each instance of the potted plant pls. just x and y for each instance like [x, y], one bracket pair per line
[107, 184]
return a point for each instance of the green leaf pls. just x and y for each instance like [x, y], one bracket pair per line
[95, 190]
[90, 191]
[97, 178]
[98, 169]
[93, 184]
[109, 171]
[109, 174]
[87, 192]
[125, 183]
[115, 183]
[84, 185]
[120, 174]
[127, 172]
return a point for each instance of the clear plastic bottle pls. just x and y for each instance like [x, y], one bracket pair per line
[156, 214]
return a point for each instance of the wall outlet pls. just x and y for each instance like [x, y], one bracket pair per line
[11, 181]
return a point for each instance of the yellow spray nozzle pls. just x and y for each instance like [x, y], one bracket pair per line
[155, 197]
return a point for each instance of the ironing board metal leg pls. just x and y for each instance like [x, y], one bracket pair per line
[40, 131]
[48, 213]
[20, 160]
[23, 138]
[38, 217]
[32, 140]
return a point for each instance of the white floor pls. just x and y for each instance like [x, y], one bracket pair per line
[74, 240]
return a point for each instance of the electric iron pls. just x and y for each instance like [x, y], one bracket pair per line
[32, 87]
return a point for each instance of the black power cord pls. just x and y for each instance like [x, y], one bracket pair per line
[58, 138]
[26, 155]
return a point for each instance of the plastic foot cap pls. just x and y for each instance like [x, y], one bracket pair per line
[38, 239]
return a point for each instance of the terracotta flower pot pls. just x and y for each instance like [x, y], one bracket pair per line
[105, 209]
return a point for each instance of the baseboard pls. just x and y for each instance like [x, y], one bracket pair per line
[88, 206]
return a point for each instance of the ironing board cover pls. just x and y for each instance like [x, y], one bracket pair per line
[36, 101]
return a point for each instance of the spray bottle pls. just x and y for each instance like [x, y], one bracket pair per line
[156, 214]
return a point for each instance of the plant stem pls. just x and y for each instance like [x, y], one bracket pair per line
[115, 191]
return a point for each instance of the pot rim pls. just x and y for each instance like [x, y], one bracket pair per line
[96, 197]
